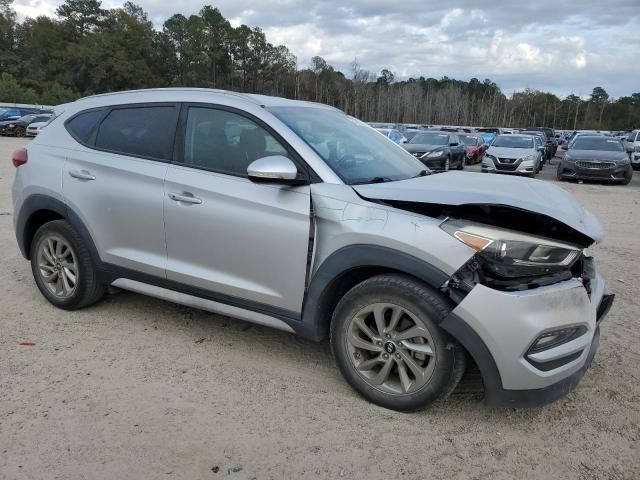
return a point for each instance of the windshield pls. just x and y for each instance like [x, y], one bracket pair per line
[431, 139]
[469, 141]
[513, 141]
[590, 143]
[26, 118]
[355, 152]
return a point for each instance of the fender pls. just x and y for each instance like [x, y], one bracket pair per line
[325, 283]
[36, 202]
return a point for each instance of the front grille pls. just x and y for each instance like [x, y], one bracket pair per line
[596, 165]
[507, 160]
[506, 164]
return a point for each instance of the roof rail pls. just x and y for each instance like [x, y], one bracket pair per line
[177, 89]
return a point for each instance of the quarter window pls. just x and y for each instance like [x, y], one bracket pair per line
[140, 131]
[82, 125]
[225, 141]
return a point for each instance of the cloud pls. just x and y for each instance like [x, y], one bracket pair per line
[548, 45]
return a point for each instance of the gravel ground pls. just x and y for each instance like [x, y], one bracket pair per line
[139, 388]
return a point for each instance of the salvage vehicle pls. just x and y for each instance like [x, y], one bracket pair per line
[514, 154]
[313, 223]
[596, 158]
[438, 150]
[475, 147]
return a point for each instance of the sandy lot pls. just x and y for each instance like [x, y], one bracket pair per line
[139, 388]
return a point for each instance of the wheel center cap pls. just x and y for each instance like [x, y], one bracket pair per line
[389, 347]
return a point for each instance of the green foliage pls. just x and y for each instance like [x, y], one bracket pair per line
[88, 49]
[11, 91]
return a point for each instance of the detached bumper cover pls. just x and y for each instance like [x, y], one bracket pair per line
[499, 335]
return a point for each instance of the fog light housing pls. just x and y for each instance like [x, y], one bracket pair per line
[555, 338]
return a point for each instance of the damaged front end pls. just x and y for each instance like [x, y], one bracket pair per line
[507, 260]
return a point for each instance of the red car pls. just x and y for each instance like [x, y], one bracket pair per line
[475, 147]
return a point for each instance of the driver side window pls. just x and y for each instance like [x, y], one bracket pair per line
[226, 142]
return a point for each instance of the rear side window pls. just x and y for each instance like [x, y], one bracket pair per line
[140, 131]
[82, 126]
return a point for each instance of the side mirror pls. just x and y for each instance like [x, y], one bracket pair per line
[273, 169]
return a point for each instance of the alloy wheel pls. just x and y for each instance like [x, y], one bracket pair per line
[391, 349]
[57, 266]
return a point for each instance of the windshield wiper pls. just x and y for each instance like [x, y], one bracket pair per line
[372, 180]
[422, 173]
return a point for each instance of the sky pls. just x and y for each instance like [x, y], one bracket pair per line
[559, 46]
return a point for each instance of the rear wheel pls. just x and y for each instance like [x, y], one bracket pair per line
[62, 267]
[388, 345]
[462, 163]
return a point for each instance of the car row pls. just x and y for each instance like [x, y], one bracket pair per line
[27, 125]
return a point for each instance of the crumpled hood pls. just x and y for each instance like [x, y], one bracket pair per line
[597, 155]
[467, 188]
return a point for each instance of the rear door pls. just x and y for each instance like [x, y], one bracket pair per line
[114, 178]
[230, 239]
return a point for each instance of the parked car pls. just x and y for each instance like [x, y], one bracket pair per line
[18, 128]
[392, 134]
[315, 224]
[548, 148]
[15, 113]
[438, 150]
[475, 147]
[596, 158]
[632, 146]
[409, 133]
[488, 134]
[549, 133]
[513, 154]
[34, 128]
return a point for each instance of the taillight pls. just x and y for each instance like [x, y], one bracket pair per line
[19, 157]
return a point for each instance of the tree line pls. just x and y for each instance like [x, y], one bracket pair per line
[87, 49]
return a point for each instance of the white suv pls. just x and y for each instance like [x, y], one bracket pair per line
[296, 216]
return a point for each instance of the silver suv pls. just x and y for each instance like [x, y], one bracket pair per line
[296, 216]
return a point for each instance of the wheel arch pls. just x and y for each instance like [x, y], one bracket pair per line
[39, 209]
[349, 266]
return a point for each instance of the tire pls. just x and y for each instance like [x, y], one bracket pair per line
[627, 178]
[462, 162]
[420, 306]
[558, 176]
[20, 132]
[447, 164]
[59, 265]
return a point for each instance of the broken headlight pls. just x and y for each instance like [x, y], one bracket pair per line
[510, 254]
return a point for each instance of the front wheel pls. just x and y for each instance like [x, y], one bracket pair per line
[387, 342]
[20, 132]
[628, 177]
[62, 267]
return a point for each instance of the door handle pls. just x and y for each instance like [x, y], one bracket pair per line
[185, 197]
[81, 175]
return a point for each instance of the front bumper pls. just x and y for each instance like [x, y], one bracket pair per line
[498, 328]
[615, 172]
[518, 167]
[435, 163]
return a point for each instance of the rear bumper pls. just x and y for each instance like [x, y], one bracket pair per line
[498, 328]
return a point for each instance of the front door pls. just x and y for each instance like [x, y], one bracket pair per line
[243, 243]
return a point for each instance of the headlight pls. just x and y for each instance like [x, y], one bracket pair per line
[11, 125]
[437, 153]
[529, 158]
[511, 254]
[489, 157]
